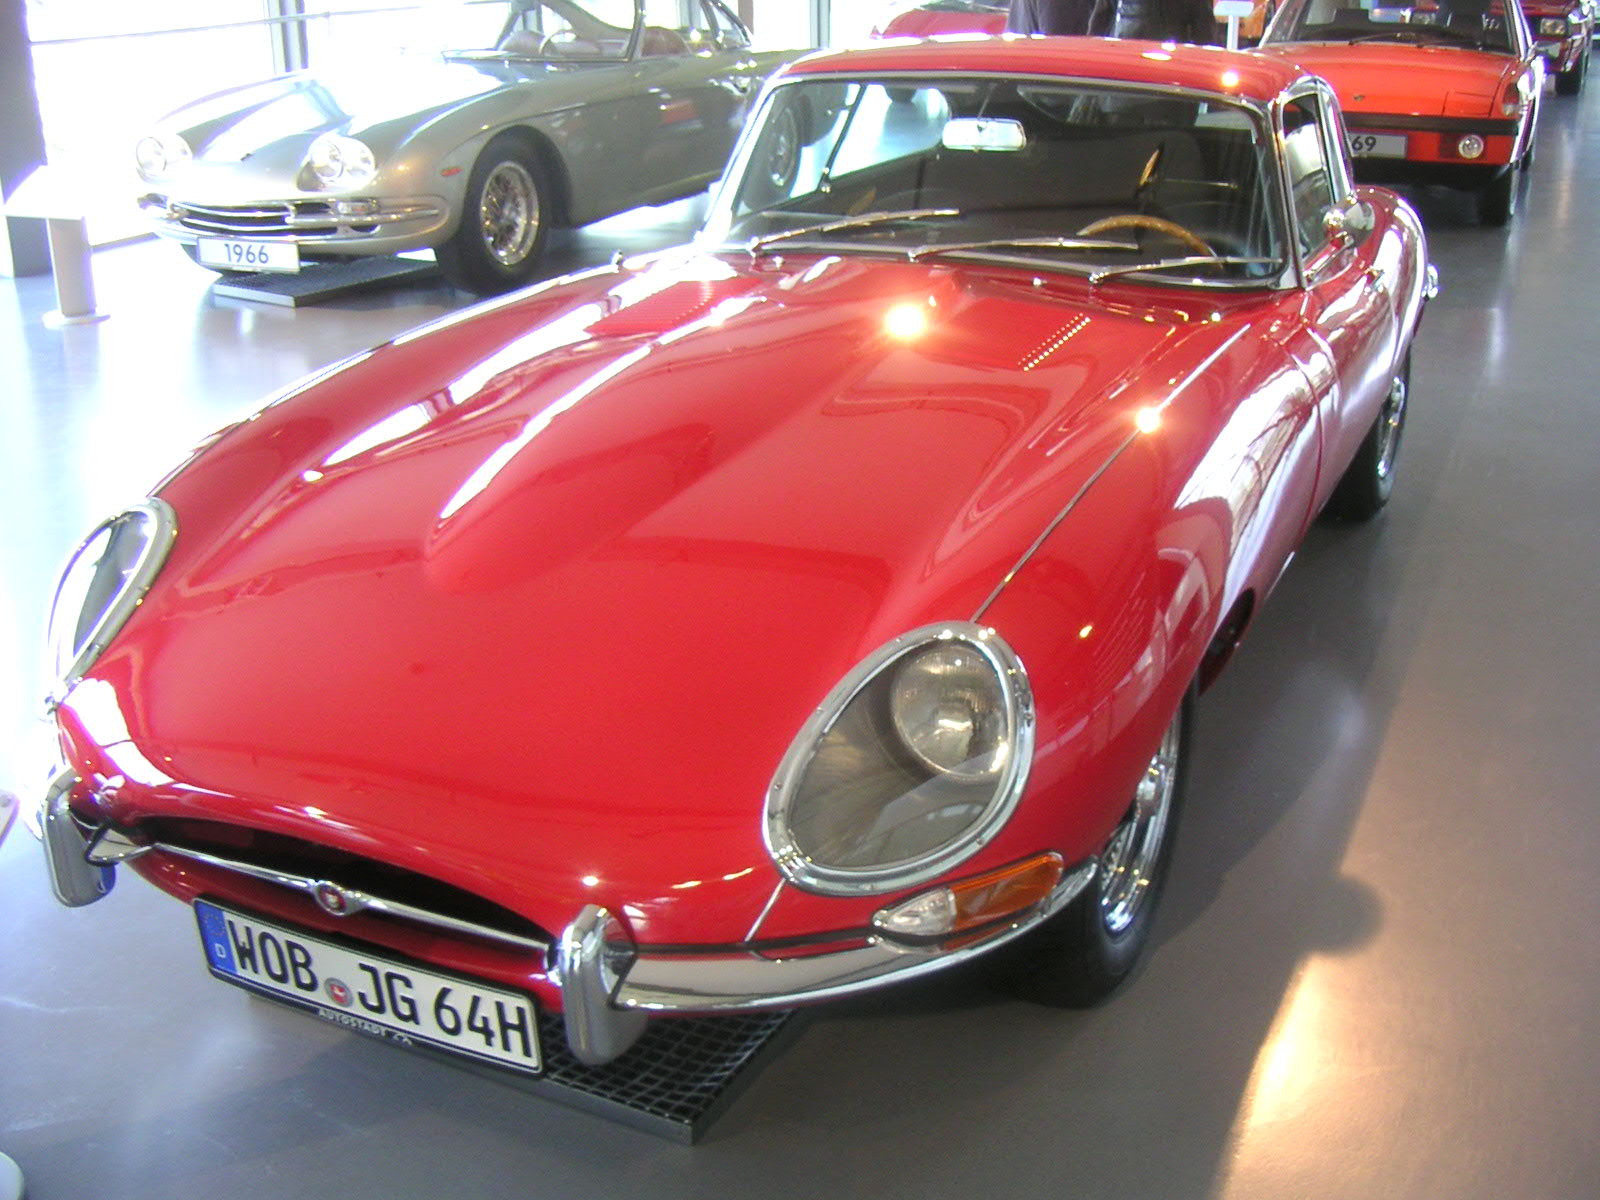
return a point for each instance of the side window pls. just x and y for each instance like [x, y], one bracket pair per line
[1310, 175]
[729, 33]
[673, 27]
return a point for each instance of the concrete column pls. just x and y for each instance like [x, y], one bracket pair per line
[24, 249]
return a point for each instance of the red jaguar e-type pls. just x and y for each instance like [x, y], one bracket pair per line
[768, 619]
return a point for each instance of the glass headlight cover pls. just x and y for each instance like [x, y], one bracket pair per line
[911, 765]
[103, 583]
[161, 154]
[339, 161]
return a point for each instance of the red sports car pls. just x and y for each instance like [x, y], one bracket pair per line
[1446, 92]
[1563, 35]
[760, 621]
[946, 16]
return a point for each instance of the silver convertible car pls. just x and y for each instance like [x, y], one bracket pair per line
[545, 112]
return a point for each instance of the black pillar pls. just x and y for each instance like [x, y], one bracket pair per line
[23, 249]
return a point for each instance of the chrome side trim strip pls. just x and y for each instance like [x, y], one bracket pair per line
[772, 902]
[355, 901]
[1039, 541]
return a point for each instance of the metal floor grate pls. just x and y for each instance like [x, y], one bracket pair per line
[681, 1075]
[677, 1079]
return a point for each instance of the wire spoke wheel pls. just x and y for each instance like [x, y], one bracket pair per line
[508, 214]
[1390, 423]
[1127, 867]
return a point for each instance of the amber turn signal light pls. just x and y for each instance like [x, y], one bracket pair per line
[981, 900]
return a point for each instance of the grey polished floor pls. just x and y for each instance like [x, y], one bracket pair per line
[1375, 974]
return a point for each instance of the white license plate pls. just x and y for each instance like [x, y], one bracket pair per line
[371, 994]
[234, 254]
[1376, 145]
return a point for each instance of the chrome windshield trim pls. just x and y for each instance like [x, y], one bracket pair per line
[358, 901]
[735, 982]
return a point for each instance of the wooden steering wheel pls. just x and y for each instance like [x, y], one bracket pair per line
[1158, 224]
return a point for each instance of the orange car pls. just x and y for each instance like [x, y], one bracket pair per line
[1445, 93]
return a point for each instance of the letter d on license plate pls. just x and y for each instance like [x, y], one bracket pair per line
[371, 994]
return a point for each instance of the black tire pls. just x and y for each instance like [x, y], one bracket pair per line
[1368, 481]
[1570, 82]
[775, 162]
[1497, 199]
[504, 221]
[1081, 955]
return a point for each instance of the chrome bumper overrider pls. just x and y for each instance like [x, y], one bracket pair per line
[609, 986]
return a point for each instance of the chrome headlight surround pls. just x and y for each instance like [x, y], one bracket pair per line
[337, 161]
[161, 155]
[856, 770]
[104, 581]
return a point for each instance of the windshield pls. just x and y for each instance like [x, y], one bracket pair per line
[544, 29]
[1472, 24]
[1053, 176]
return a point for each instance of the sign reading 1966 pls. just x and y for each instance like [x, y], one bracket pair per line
[370, 993]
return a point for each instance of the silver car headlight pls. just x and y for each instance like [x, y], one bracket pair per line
[339, 161]
[105, 580]
[161, 155]
[911, 765]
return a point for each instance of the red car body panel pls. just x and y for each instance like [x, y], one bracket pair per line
[931, 22]
[1562, 53]
[533, 601]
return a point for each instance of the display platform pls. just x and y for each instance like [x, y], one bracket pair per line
[321, 281]
[675, 1082]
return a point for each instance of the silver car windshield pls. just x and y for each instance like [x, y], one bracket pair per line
[1051, 176]
[1472, 24]
[557, 30]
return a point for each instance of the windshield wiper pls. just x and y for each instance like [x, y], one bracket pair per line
[1173, 264]
[1020, 243]
[1421, 34]
[757, 244]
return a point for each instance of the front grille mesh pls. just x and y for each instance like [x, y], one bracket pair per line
[299, 857]
[259, 220]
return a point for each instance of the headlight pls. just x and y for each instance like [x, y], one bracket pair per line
[339, 161]
[913, 762]
[1555, 26]
[162, 154]
[105, 580]
[1470, 146]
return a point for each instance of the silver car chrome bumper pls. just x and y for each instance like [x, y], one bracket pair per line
[406, 223]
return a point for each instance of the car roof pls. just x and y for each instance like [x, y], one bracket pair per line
[1209, 69]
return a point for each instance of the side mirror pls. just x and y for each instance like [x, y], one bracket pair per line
[1346, 223]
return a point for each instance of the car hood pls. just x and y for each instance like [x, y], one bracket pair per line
[257, 135]
[537, 598]
[1421, 81]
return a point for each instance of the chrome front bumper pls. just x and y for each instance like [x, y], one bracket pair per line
[609, 986]
[397, 224]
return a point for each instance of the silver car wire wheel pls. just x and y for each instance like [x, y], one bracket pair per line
[1392, 420]
[1131, 856]
[509, 213]
[783, 156]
